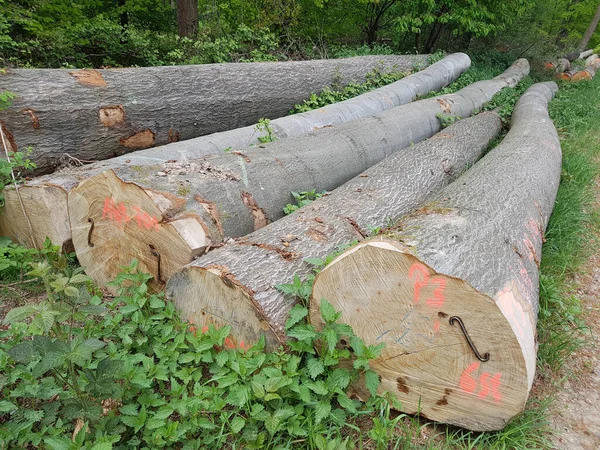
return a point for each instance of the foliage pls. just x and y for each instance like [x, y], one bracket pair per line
[375, 79]
[302, 199]
[80, 372]
[264, 126]
[447, 119]
[12, 165]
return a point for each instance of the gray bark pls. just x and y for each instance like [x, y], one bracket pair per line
[392, 188]
[246, 191]
[98, 114]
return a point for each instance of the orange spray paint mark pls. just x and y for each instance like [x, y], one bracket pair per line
[419, 273]
[487, 384]
[117, 212]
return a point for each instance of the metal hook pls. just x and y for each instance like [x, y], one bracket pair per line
[91, 221]
[155, 253]
[486, 356]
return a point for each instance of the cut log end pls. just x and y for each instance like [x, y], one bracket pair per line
[389, 296]
[114, 222]
[211, 295]
[53, 225]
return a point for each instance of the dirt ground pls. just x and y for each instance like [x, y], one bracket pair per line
[576, 415]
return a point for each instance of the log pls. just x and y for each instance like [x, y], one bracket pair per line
[98, 114]
[562, 65]
[236, 284]
[585, 74]
[578, 55]
[468, 258]
[47, 195]
[192, 206]
[590, 60]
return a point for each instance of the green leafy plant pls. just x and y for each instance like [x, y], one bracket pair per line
[302, 199]
[447, 119]
[82, 372]
[264, 126]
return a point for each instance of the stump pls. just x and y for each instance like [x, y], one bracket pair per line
[452, 290]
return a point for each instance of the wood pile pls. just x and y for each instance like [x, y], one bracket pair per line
[46, 196]
[567, 72]
[179, 210]
[442, 241]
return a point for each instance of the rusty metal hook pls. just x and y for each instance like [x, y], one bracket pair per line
[155, 253]
[486, 356]
[91, 221]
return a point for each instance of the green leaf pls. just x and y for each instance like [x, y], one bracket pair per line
[322, 410]
[315, 367]
[155, 422]
[239, 395]
[129, 410]
[49, 361]
[80, 278]
[103, 446]
[297, 313]
[372, 382]
[58, 443]
[331, 338]
[156, 302]
[346, 403]
[314, 261]
[328, 312]
[339, 379]
[20, 313]
[6, 406]
[237, 424]
[24, 353]
[303, 332]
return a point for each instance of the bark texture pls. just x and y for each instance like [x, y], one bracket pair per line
[98, 114]
[236, 285]
[473, 252]
[49, 193]
[234, 194]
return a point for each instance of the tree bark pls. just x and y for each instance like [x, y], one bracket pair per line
[187, 18]
[255, 265]
[93, 115]
[472, 253]
[196, 205]
[46, 196]
[590, 31]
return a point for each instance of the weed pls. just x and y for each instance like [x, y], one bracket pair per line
[302, 199]
[447, 119]
[264, 126]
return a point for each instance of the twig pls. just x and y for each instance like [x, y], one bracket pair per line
[18, 282]
[14, 180]
[81, 162]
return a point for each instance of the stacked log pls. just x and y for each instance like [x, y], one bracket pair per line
[46, 196]
[93, 115]
[452, 290]
[236, 285]
[565, 73]
[170, 213]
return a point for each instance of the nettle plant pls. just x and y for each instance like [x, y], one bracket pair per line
[81, 372]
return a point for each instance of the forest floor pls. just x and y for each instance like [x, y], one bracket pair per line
[575, 416]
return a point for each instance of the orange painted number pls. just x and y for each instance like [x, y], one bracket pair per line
[419, 273]
[488, 385]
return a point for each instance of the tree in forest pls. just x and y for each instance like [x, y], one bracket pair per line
[590, 31]
[377, 17]
[187, 18]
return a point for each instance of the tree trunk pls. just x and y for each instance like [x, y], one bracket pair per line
[47, 195]
[98, 114]
[189, 207]
[469, 259]
[590, 31]
[255, 265]
[187, 18]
